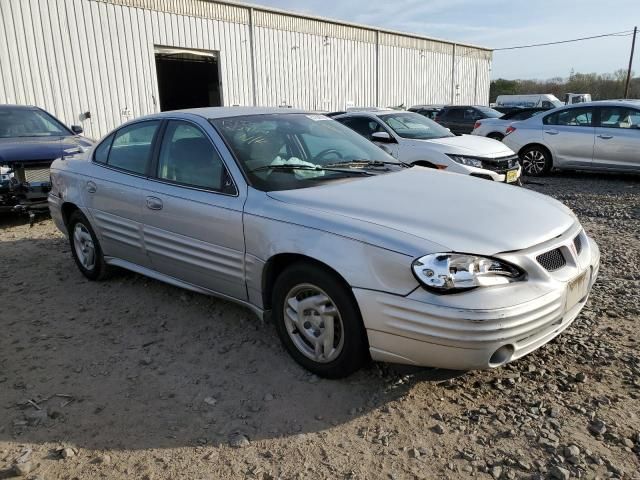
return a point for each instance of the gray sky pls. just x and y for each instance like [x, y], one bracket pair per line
[503, 23]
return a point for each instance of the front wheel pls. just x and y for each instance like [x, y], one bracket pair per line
[318, 321]
[536, 161]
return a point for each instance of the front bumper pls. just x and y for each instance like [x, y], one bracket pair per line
[486, 174]
[410, 330]
[55, 210]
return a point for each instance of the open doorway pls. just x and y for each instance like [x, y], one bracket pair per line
[187, 78]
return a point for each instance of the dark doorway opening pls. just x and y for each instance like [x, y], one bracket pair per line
[187, 78]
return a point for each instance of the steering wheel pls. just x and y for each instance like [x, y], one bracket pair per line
[326, 152]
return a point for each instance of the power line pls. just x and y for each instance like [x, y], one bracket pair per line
[616, 34]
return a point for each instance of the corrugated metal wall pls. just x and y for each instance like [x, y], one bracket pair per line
[74, 56]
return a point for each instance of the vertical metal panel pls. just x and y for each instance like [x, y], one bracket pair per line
[73, 56]
[409, 76]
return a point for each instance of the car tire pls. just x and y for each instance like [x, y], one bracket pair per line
[329, 316]
[85, 248]
[496, 136]
[536, 161]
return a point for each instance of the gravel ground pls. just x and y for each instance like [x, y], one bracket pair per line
[132, 378]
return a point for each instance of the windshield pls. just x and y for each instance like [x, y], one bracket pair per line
[489, 112]
[415, 126]
[23, 122]
[286, 151]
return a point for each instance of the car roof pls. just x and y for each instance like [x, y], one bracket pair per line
[227, 112]
[465, 106]
[603, 103]
[18, 107]
[428, 106]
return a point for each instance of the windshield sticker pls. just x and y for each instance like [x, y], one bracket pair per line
[317, 118]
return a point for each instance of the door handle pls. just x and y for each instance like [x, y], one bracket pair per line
[605, 137]
[154, 203]
[91, 187]
[551, 132]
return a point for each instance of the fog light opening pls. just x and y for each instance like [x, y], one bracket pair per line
[501, 356]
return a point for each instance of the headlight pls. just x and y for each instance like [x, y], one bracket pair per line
[453, 272]
[465, 160]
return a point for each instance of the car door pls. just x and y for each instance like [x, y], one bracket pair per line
[192, 211]
[367, 126]
[570, 135]
[617, 139]
[112, 193]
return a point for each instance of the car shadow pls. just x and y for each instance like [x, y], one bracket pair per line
[598, 177]
[9, 219]
[132, 363]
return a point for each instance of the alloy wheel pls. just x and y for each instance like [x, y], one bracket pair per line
[84, 248]
[534, 162]
[313, 323]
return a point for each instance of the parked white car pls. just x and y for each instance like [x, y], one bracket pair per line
[417, 140]
[601, 135]
[496, 128]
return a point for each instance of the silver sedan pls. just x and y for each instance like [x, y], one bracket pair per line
[352, 254]
[602, 136]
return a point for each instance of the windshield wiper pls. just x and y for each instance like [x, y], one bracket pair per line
[367, 163]
[317, 168]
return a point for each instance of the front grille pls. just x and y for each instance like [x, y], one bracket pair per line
[577, 242]
[33, 175]
[500, 165]
[552, 260]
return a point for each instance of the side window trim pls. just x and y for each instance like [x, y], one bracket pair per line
[155, 161]
[109, 139]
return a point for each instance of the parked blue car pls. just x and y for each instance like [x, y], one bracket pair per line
[30, 140]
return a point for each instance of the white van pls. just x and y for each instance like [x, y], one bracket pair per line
[545, 100]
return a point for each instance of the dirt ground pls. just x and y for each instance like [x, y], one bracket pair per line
[132, 378]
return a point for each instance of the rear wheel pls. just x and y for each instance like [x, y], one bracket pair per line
[536, 161]
[318, 321]
[85, 247]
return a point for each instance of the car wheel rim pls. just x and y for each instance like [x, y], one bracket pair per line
[314, 323]
[83, 244]
[534, 162]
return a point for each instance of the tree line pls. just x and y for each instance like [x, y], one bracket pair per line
[603, 86]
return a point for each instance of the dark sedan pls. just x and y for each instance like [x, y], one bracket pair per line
[30, 140]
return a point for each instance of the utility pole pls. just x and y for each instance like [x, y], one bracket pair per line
[633, 47]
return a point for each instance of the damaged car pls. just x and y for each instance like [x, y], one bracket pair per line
[352, 254]
[30, 140]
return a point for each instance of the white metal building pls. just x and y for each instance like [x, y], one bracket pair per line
[102, 62]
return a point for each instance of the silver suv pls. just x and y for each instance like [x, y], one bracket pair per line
[602, 135]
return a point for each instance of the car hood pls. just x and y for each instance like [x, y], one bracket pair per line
[38, 149]
[458, 212]
[470, 145]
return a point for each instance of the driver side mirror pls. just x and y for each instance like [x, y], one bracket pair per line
[382, 137]
[77, 129]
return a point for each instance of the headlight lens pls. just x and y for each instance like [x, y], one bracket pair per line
[453, 272]
[465, 160]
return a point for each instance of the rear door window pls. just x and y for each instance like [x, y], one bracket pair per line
[455, 114]
[572, 117]
[132, 147]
